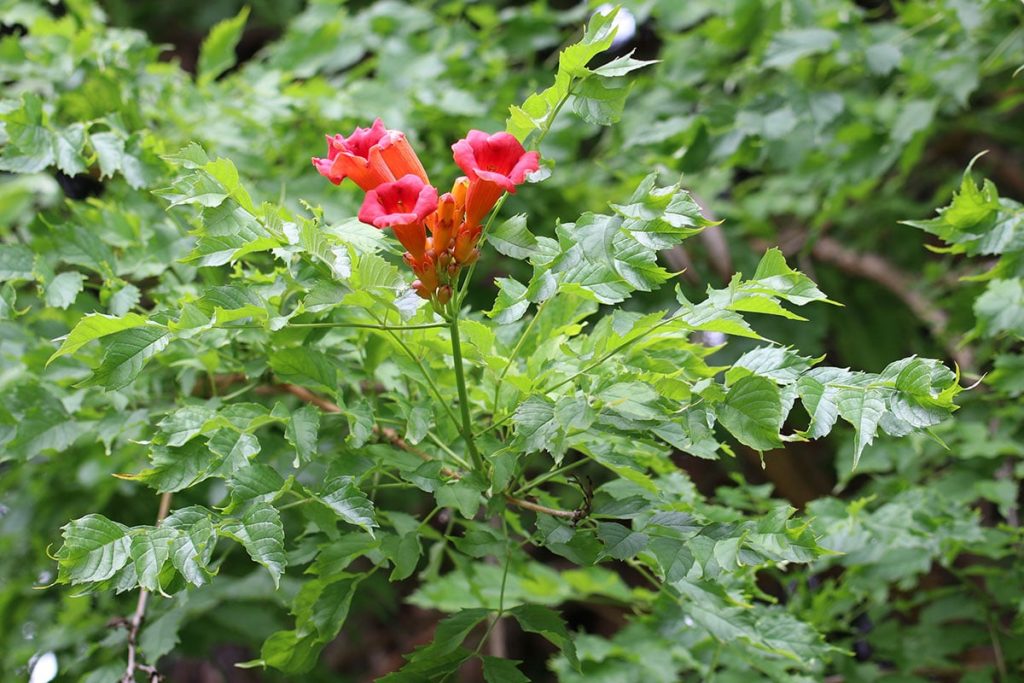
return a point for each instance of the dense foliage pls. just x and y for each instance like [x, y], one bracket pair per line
[631, 441]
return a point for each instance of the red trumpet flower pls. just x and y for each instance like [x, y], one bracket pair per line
[494, 164]
[403, 206]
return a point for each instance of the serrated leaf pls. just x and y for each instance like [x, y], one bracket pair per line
[217, 53]
[304, 366]
[95, 548]
[497, 670]
[752, 412]
[548, 623]
[95, 326]
[150, 550]
[261, 534]
[127, 353]
[16, 262]
[623, 65]
[255, 483]
[344, 497]
[620, 542]
[512, 238]
[192, 546]
[301, 432]
[64, 289]
[862, 407]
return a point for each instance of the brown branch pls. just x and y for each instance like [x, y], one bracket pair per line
[134, 625]
[574, 515]
[386, 433]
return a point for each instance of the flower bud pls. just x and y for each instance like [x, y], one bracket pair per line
[420, 289]
[465, 241]
[444, 294]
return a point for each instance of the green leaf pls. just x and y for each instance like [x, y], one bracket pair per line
[752, 412]
[17, 262]
[497, 670]
[596, 39]
[261, 534]
[548, 623]
[819, 396]
[110, 154]
[127, 353]
[217, 53]
[600, 100]
[290, 651]
[535, 423]
[451, 632]
[255, 483]
[512, 238]
[95, 548]
[344, 497]
[862, 407]
[788, 47]
[302, 431]
[95, 326]
[1000, 309]
[150, 550]
[620, 542]
[160, 636]
[304, 366]
[192, 546]
[623, 65]
[31, 145]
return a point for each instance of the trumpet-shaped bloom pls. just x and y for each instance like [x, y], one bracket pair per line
[494, 164]
[357, 157]
[399, 156]
[402, 205]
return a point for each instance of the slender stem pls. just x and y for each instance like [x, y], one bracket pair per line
[588, 368]
[360, 326]
[370, 326]
[515, 353]
[460, 380]
[424, 372]
[533, 483]
[536, 507]
[134, 625]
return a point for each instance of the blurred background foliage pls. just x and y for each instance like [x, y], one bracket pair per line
[817, 125]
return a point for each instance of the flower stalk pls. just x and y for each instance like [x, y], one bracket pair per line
[460, 382]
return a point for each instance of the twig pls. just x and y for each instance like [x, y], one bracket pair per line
[134, 625]
[536, 507]
[386, 433]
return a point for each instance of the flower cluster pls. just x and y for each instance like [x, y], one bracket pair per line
[399, 195]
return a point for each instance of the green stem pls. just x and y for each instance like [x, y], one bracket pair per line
[624, 345]
[515, 353]
[362, 326]
[423, 371]
[369, 326]
[460, 380]
[533, 483]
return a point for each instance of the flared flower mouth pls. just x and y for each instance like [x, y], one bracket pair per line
[399, 196]
[401, 202]
[359, 142]
[498, 158]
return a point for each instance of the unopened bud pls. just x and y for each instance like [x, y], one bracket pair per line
[421, 290]
[444, 294]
